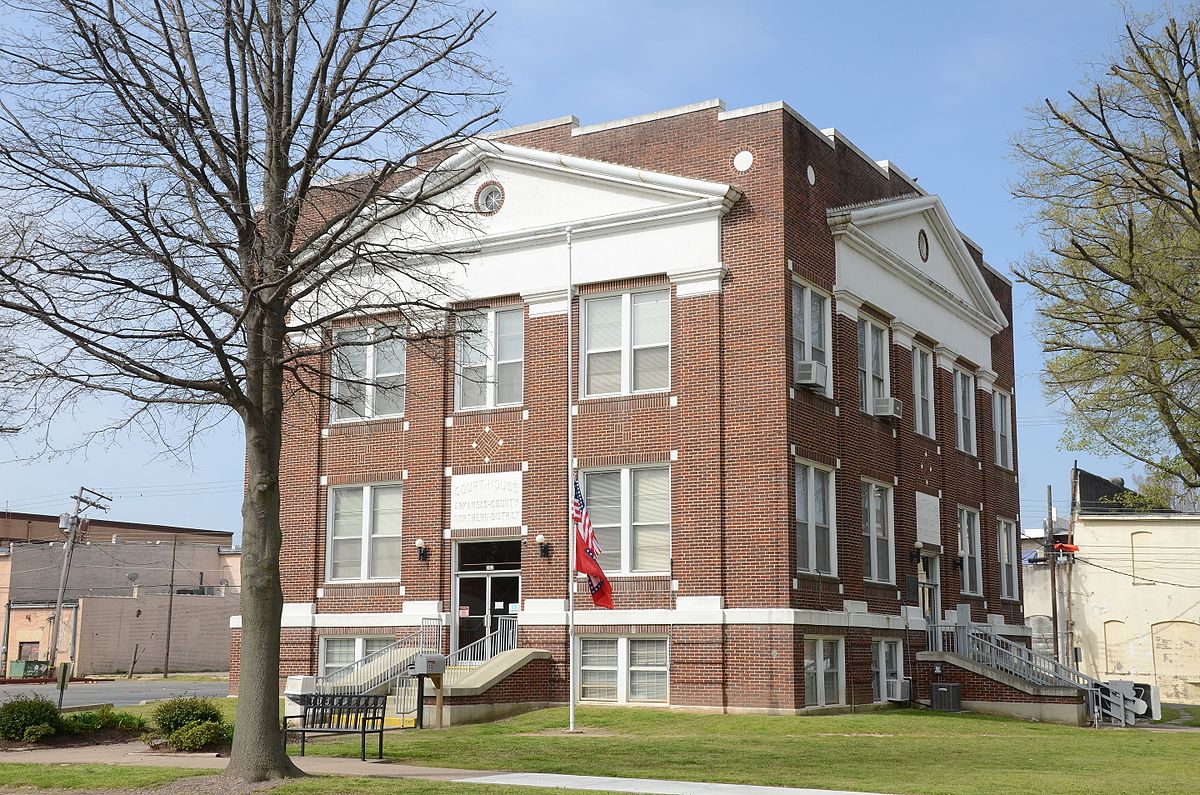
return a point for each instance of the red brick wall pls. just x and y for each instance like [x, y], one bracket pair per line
[979, 688]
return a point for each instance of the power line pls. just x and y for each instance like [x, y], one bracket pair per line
[1136, 576]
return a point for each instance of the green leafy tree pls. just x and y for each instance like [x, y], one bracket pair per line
[1113, 176]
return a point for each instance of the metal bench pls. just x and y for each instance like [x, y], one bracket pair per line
[342, 714]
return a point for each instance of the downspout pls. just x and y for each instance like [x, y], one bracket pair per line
[4, 640]
[316, 571]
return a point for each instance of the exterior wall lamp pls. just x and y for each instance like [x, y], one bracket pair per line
[915, 554]
[543, 545]
[422, 551]
[962, 557]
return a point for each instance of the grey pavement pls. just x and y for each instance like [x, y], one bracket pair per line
[121, 692]
[136, 754]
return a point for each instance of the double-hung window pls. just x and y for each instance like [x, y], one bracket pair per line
[627, 343]
[887, 670]
[1006, 538]
[365, 533]
[490, 349]
[1002, 428]
[810, 314]
[872, 364]
[823, 672]
[368, 375]
[631, 515]
[964, 410]
[922, 361]
[815, 534]
[968, 551]
[624, 669]
[342, 650]
[877, 531]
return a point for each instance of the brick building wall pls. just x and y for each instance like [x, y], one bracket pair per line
[730, 428]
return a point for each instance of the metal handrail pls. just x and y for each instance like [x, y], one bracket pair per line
[475, 654]
[380, 667]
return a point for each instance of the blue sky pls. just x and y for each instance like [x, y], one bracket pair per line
[939, 88]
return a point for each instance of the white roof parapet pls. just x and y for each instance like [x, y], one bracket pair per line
[833, 134]
[645, 117]
[768, 107]
[532, 126]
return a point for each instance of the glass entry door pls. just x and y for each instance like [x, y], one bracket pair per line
[488, 587]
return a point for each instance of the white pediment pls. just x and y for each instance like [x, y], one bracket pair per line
[625, 222]
[941, 294]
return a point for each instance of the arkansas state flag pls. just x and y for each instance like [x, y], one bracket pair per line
[587, 551]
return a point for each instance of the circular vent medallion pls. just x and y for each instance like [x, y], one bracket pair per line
[489, 198]
[742, 161]
[923, 245]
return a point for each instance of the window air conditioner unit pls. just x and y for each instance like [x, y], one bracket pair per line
[889, 407]
[898, 689]
[811, 374]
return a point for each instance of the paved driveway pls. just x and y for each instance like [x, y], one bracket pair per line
[121, 693]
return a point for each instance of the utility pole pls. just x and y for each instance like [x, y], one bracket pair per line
[170, 607]
[1052, 559]
[70, 523]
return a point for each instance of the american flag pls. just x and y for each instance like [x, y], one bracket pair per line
[580, 515]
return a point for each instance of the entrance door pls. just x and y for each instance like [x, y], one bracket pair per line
[929, 584]
[488, 587]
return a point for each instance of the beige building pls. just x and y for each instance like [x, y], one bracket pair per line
[1129, 599]
[116, 605]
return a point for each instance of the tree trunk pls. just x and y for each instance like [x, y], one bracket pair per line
[258, 753]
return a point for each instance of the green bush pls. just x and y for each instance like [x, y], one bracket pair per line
[171, 716]
[82, 722]
[22, 712]
[198, 736]
[126, 721]
[38, 732]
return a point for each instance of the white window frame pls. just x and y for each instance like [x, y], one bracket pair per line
[627, 347]
[923, 390]
[879, 677]
[819, 670]
[1002, 428]
[626, 568]
[487, 341]
[368, 377]
[870, 533]
[368, 512]
[360, 648]
[1006, 541]
[968, 541]
[831, 509]
[964, 398]
[866, 372]
[802, 350]
[623, 669]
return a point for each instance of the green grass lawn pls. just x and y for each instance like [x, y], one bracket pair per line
[897, 751]
[1181, 716]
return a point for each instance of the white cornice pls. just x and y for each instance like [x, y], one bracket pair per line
[985, 379]
[946, 357]
[546, 302]
[847, 303]
[903, 334]
[703, 280]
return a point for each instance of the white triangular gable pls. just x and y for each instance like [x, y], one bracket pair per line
[943, 296]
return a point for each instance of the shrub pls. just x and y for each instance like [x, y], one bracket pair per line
[82, 722]
[38, 732]
[23, 712]
[126, 721]
[171, 716]
[198, 735]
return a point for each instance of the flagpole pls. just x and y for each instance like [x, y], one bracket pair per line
[570, 489]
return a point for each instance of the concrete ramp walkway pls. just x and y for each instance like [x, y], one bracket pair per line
[650, 786]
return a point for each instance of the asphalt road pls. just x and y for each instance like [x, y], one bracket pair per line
[120, 693]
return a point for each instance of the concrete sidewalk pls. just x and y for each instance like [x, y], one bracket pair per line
[136, 754]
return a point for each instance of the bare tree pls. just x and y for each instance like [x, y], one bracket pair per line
[1113, 174]
[196, 190]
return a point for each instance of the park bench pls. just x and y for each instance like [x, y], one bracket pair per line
[342, 714]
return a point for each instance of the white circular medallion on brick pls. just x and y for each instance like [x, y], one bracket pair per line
[812, 176]
[743, 160]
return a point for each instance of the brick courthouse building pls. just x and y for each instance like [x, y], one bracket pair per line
[794, 425]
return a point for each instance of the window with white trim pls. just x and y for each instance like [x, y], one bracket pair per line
[490, 353]
[631, 515]
[338, 651]
[368, 375]
[964, 410]
[1006, 540]
[627, 343]
[365, 540]
[624, 669]
[1002, 428]
[968, 551]
[887, 669]
[872, 364]
[810, 319]
[923, 369]
[824, 673]
[816, 536]
[877, 532]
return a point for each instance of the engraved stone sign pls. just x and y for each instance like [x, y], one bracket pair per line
[488, 500]
[929, 519]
